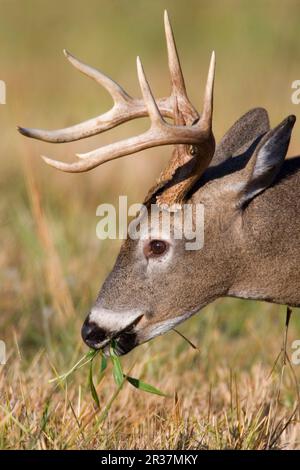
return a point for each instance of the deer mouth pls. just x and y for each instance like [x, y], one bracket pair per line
[126, 340]
[122, 341]
[123, 344]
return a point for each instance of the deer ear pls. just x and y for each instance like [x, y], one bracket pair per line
[247, 129]
[266, 161]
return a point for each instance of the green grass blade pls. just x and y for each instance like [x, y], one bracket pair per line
[89, 356]
[103, 365]
[92, 386]
[117, 367]
[137, 383]
[117, 370]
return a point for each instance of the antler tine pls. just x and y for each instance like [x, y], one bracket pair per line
[173, 58]
[207, 112]
[177, 78]
[78, 131]
[149, 100]
[115, 90]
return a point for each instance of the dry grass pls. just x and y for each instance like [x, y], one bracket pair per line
[213, 406]
[51, 263]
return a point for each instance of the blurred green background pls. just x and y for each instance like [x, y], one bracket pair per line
[51, 263]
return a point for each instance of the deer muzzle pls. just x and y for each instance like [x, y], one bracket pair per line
[102, 326]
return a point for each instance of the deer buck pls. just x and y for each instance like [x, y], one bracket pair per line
[251, 198]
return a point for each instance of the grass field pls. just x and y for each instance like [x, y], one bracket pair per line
[231, 393]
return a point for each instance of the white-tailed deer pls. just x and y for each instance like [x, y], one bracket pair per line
[250, 193]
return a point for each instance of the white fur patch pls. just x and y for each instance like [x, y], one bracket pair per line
[160, 328]
[112, 320]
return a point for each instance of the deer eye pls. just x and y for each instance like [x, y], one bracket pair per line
[155, 248]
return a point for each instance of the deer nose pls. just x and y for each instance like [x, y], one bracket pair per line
[92, 334]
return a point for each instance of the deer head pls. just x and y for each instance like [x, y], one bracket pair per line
[156, 282]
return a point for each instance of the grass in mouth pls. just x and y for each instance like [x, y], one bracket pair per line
[120, 377]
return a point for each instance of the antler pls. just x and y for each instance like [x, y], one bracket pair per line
[126, 108]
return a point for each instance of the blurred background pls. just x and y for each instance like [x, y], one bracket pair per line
[51, 263]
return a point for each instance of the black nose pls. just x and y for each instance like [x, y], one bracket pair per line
[92, 335]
